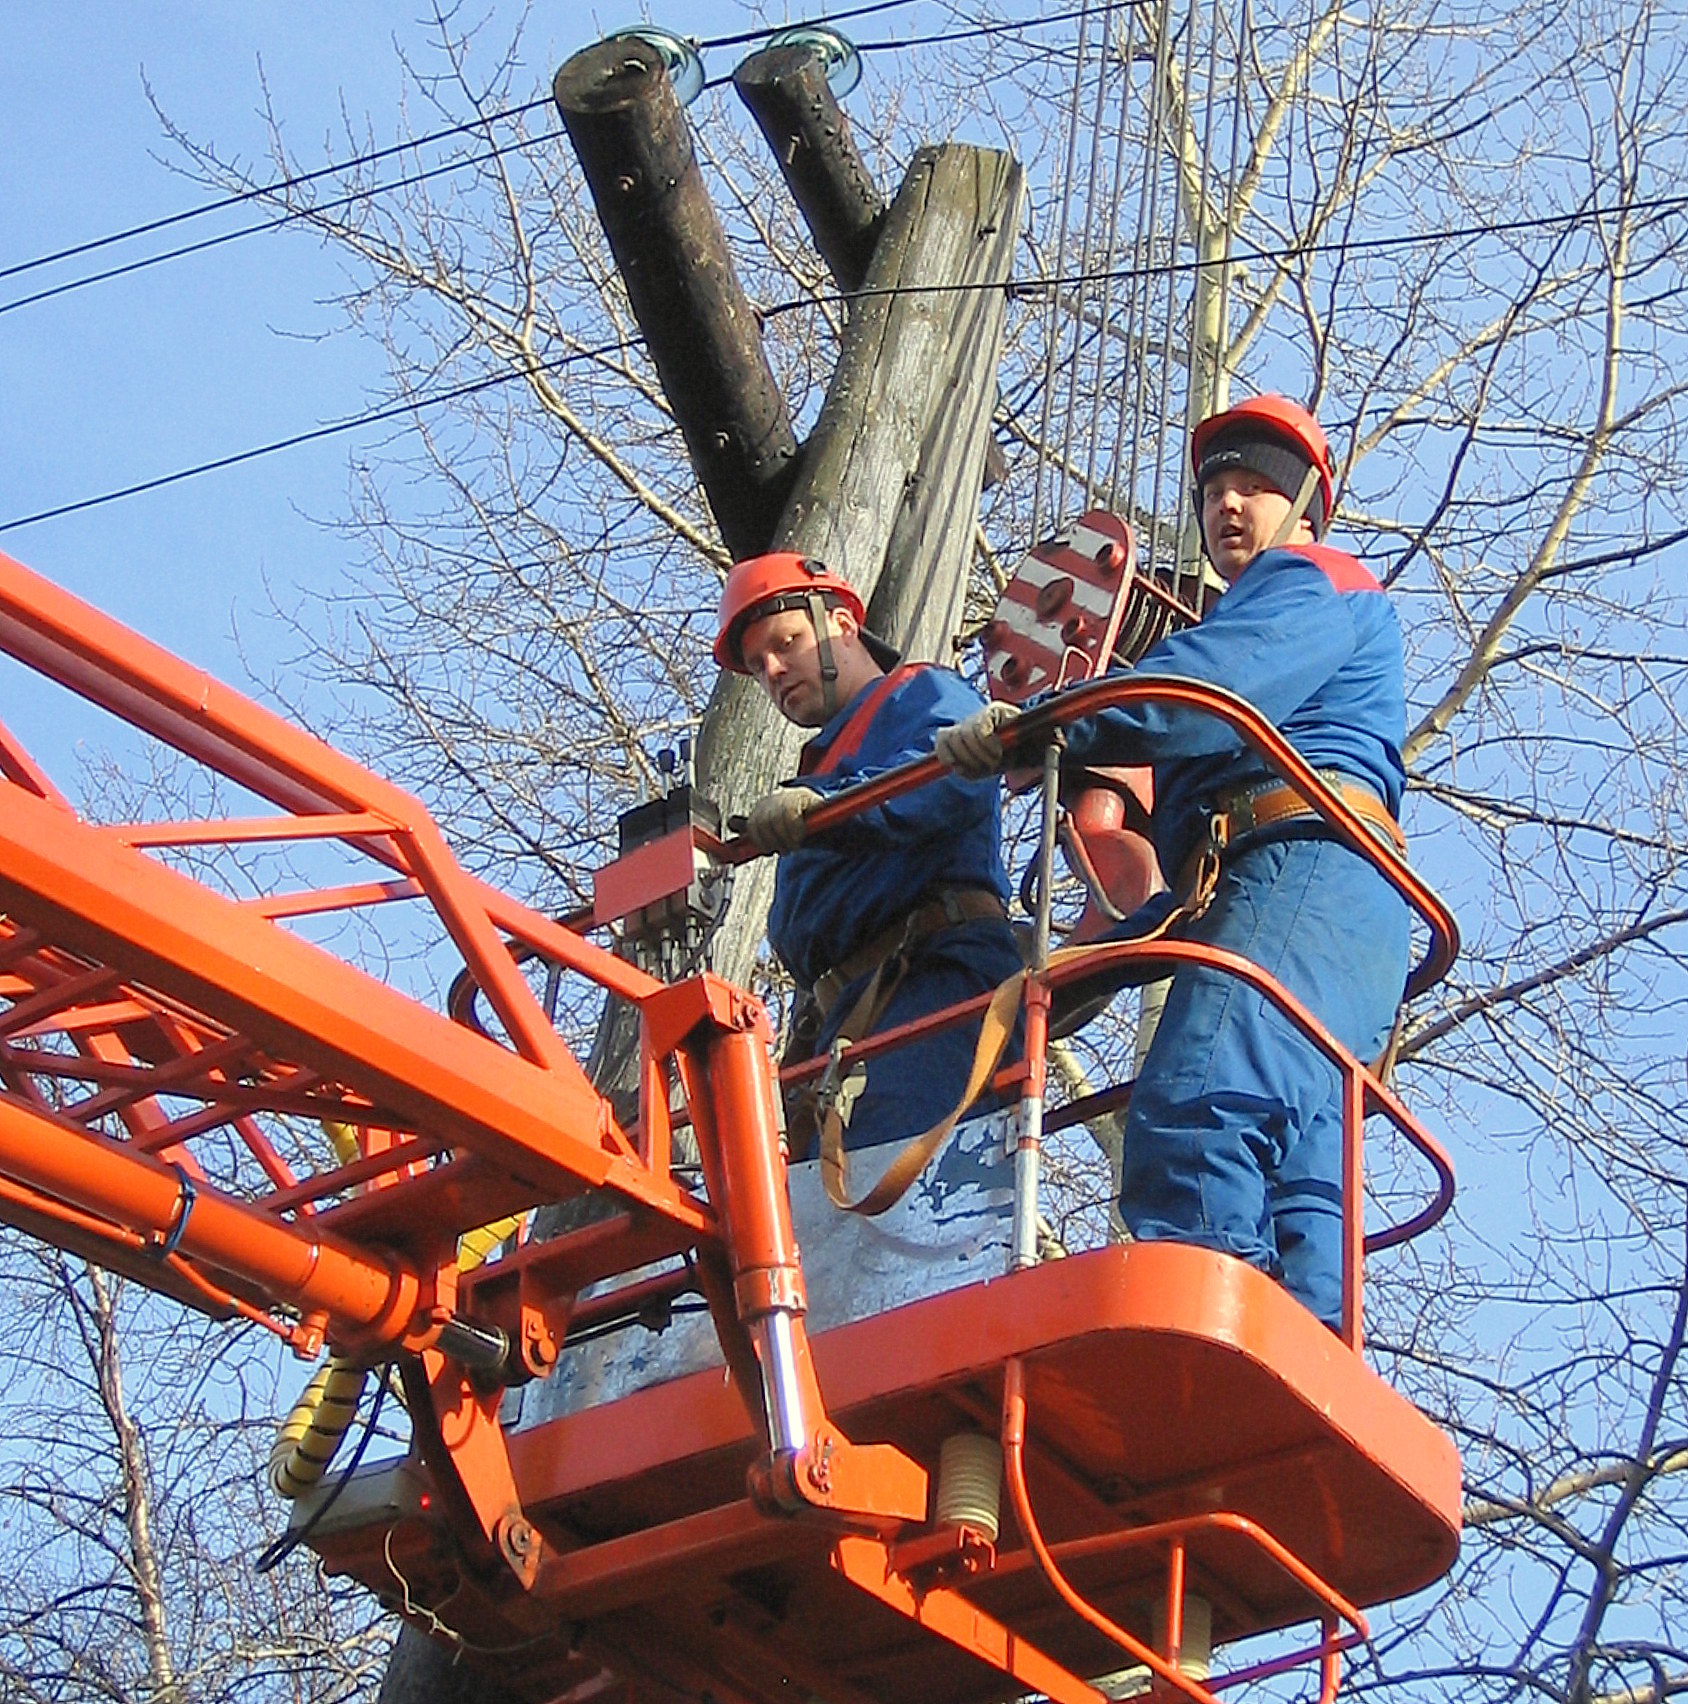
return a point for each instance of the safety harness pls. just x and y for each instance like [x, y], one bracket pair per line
[884, 959]
[1238, 817]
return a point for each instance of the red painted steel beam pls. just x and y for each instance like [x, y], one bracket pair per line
[360, 1290]
[299, 1003]
[70, 641]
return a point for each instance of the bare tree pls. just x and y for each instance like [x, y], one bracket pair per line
[1456, 230]
[132, 1472]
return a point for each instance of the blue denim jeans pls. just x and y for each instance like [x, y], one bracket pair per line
[1234, 1136]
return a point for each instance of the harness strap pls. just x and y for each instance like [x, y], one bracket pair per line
[823, 644]
[854, 732]
[944, 910]
[915, 1156]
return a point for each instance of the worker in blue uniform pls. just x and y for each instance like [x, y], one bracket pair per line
[1233, 1139]
[901, 911]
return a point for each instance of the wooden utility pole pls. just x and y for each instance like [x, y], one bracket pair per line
[788, 95]
[886, 489]
[635, 147]
[888, 493]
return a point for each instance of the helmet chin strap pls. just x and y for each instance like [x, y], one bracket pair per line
[823, 645]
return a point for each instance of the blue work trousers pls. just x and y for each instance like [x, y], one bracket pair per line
[1234, 1136]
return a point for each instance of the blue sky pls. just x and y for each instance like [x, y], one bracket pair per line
[200, 357]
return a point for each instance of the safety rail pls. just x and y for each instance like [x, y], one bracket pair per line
[1164, 1665]
[1033, 729]
[1362, 1093]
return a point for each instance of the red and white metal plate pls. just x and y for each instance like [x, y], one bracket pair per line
[1058, 618]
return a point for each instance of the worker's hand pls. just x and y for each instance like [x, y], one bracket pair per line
[776, 822]
[974, 748]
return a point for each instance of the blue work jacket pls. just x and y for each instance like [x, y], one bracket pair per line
[1308, 637]
[846, 886]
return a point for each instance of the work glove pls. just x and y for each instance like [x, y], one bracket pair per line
[973, 748]
[775, 823]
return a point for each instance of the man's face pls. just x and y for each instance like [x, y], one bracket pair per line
[780, 652]
[1240, 514]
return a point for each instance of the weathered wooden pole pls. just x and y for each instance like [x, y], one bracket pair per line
[889, 489]
[788, 95]
[787, 92]
[635, 147]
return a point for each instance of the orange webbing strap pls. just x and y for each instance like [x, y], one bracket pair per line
[994, 1031]
[1201, 878]
[997, 1027]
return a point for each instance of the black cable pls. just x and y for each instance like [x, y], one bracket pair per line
[276, 223]
[801, 23]
[280, 1549]
[281, 185]
[1001, 27]
[1016, 287]
[257, 192]
[373, 417]
[276, 186]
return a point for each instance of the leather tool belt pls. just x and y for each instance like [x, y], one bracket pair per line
[1249, 810]
[1256, 808]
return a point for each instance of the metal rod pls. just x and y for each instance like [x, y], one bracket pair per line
[1028, 1153]
[481, 1348]
[781, 1386]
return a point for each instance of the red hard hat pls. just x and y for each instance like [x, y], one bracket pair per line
[764, 585]
[1272, 416]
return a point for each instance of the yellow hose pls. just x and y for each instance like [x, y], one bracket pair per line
[474, 1246]
[309, 1436]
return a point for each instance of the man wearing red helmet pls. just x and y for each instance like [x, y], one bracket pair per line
[901, 911]
[1234, 1135]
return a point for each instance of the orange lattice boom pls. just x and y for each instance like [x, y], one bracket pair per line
[169, 1054]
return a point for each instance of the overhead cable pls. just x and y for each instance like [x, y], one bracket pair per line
[289, 218]
[293, 180]
[1014, 287]
[1344, 246]
[373, 417]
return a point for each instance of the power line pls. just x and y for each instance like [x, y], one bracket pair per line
[373, 417]
[1658, 204]
[1025, 287]
[283, 185]
[802, 23]
[276, 223]
[1002, 27]
[277, 186]
[257, 192]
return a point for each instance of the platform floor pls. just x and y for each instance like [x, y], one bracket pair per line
[1162, 1381]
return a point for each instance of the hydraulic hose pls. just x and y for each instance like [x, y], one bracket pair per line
[307, 1439]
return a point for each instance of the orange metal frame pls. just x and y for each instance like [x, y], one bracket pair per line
[164, 1043]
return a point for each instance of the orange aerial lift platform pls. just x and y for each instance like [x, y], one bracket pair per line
[820, 1511]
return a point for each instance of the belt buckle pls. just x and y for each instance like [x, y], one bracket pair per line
[826, 1091]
